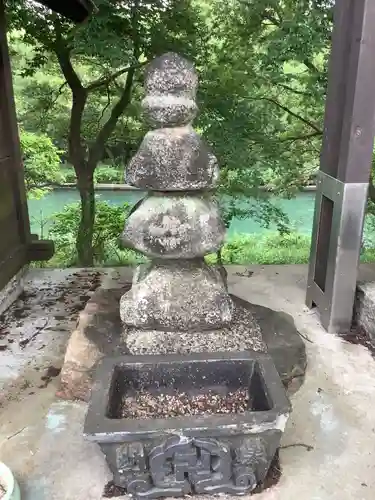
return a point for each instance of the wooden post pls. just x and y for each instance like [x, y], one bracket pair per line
[345, 165]
[16, 244]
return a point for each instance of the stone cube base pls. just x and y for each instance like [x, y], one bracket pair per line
[178, 295]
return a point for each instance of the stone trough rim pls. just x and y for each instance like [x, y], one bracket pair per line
[101, 429]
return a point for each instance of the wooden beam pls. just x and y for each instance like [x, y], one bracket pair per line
[15, 172]
[75, 10]
[17, 247]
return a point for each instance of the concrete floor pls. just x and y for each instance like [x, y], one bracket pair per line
[35, 330]
[334, 413]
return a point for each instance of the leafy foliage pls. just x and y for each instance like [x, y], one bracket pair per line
[99, 64]
[260, 209]
[262, 96]
[41, 162]
[109, 224]
[274, 55]
[271, 248]
[263, 77]
[104, 174]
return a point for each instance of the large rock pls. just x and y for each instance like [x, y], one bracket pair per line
[285, 344]
[177, 296]
[171, 85]
[173, 159]
[175, 227]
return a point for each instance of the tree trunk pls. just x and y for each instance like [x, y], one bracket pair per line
[84, 243]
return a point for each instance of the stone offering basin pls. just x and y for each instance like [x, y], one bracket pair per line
[207, 453]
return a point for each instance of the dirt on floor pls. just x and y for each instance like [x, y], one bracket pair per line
[359, 336]
[34, 330]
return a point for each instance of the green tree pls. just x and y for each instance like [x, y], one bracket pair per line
[263, 91]
[41, 163]
[111, 47]
[263, 73]
[109, 223]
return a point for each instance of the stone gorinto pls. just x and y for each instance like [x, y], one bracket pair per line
[182, 330]
[178, 222]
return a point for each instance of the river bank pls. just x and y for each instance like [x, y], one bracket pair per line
[300, 210]
[127, 187]
[248, 242]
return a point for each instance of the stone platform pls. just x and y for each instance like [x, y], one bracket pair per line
[325, 453]
[100, 333]
[244, 333]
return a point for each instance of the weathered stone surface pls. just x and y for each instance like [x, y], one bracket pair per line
[12, 290]
[171, 74]
[173, 159]
[98, 333]
[213, 453]
[253, 327]
[169, 110]
[172, 456]
[284, 343]
[177, 296]
[235, 465]
[365, 307]
[243, 333]
[175, 227]
[171, 85]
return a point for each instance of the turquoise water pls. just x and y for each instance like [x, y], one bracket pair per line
[300, 210]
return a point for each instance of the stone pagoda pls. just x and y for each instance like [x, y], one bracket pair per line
[178, 320]
[177, 302]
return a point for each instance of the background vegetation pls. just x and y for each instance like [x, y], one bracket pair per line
[263, 75]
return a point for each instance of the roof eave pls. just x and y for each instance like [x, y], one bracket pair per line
[75, 10]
